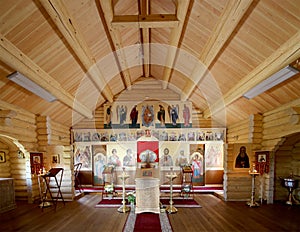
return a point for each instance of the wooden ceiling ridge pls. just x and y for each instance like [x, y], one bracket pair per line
[67, 26]
[283, 56]
[17, 60]
[144, 10]
[115, 37]
[145, 21]
[234, 11]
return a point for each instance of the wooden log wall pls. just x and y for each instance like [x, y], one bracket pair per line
[97, 122]
[278, 124]
[237, 183]
[54, 140]
[22, 131]
[18, 131]
[5, 171]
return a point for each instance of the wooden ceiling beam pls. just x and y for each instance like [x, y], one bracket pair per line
[176, 32]
[146, 51]
[283, 56]
[145, 21]
[231, 16]
[145, 11]
[19, 61]
[67, 26]
[108, 10]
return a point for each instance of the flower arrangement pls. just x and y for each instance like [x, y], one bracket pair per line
[131, 197]
[109, 188]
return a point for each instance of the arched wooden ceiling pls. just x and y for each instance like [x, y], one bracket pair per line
[87, 52]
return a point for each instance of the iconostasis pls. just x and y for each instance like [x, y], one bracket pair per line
[204, 153]
[158, 130]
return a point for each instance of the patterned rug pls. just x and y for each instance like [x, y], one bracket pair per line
[147, 222]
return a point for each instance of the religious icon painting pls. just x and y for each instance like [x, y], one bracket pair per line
[214, 156]
[163, 136]
[55, 159]
[36, 162]
[122, 114]
[155, 133]
[200, 136]
[161, 116]
[108, 116]
[262, 159]
[96, 136]
[2, 157]
[191, 136]
[131, 136]
[242, 157]
[173, 111]
[122, 136]
[139, 134]
[147, 115]
[172, 136]
[197, 163]
[83, 155]
[99, 162]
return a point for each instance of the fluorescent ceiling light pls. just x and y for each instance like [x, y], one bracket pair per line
[270, 82]
[28, 84]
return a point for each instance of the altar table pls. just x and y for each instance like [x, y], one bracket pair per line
[147, 190]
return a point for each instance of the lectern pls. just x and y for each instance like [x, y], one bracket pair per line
[52, 173]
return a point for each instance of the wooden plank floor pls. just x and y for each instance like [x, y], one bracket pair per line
[215, 215]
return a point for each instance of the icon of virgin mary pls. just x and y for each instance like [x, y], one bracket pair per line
[147, 115]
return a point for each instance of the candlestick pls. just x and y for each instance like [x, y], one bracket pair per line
[123, 208]
[171, 208]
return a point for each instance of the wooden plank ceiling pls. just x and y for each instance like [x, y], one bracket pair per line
[90, 52]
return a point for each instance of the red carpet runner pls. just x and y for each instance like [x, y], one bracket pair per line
[147, 222]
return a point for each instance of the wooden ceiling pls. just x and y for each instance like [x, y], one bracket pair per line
[91, 52]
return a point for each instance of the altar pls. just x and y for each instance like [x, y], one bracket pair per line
[147, 190]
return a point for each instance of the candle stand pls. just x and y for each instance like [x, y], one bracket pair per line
[123, 208]
[171, 208]
[253, 203]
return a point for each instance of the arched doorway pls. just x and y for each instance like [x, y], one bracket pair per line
[15, 165]
[286, 164]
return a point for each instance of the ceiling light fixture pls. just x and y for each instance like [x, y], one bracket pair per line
[270, 82]
[28, 84]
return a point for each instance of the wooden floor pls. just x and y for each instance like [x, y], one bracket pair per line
[215, 215]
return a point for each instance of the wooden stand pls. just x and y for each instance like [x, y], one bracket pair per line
[186, 181]
[252, 203]
[47, 178]
[108, 185]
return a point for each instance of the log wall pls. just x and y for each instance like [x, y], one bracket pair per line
[21, 132]
[237, 182]
[18, 132]
[277, 125]
[54, 140]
